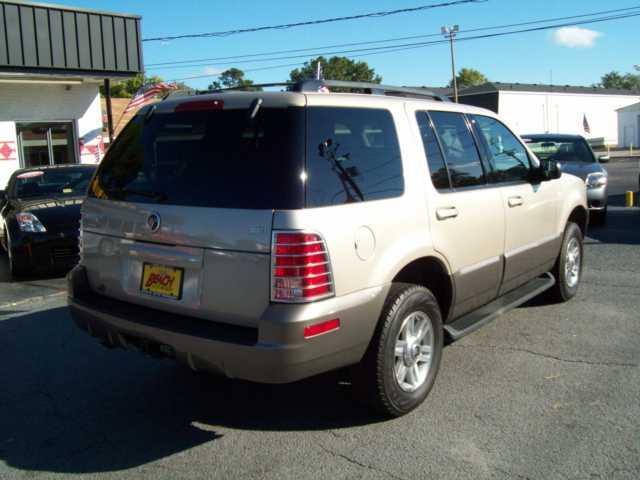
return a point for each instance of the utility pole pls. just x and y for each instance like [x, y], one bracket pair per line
[450, 33]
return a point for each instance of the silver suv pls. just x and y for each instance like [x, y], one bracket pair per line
[272, 236]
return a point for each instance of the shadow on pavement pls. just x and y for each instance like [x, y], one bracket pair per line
[619, 200]
[68, 405]
[27, 288]
[622, 227]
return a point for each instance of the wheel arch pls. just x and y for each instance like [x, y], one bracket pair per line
[580, 216]
[430, 272]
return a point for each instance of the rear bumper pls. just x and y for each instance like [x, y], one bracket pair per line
[45, 251]
[275, 352]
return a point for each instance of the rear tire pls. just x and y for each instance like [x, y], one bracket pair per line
[403, 358]
[568, 267]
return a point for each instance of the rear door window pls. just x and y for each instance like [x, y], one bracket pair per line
[220, 158]
[353, 155]
[460, 151]
[437, 167]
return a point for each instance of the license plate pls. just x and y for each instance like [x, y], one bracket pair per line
[162, 281]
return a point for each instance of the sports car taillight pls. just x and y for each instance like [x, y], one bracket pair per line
[300, 268]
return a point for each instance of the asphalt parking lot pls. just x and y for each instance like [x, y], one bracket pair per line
[544, 392]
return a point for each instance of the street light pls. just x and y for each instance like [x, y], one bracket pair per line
[450, 33]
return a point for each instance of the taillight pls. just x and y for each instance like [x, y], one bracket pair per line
[300, 268]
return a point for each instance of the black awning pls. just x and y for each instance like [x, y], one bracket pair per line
[55, 39]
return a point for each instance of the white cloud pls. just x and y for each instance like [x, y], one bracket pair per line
[212, 71]
[576, 37]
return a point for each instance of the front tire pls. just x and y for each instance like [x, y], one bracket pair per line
[15, 271]
[568, 268]
[403, 358]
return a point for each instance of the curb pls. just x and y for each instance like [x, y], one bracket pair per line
[32, 299]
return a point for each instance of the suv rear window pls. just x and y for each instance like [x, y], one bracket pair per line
[219, 158]
[353, 156]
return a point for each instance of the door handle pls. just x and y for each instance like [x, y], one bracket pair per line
[515, 201]
[446, 212]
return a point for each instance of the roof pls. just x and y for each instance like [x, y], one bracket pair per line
[630, 108]
[56, 40]
[552, 136]
[56, 167]
[67, 8]
[492, 87]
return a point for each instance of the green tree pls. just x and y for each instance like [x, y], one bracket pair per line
[616, 80]
[336, 68]
[127, 88]
[469, 77]
[233, 77]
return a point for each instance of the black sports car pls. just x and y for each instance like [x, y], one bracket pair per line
[40, 217]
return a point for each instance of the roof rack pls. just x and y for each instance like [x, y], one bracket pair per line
[360, 87]
[185, 92]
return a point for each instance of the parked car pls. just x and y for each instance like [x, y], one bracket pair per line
[575, 156]
[272, 236]
[40, 217]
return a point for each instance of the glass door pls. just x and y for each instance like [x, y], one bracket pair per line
[46, 144]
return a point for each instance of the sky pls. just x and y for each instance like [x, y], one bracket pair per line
[574, 56]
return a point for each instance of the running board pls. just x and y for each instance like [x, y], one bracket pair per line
[476, 319]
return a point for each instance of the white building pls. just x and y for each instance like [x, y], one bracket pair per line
[629, 126]
[588, 111]
[53, 59]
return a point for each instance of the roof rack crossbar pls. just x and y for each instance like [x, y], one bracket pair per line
[368, 87]
[317, 85]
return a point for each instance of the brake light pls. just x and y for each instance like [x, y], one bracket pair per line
[199, 106]
[301, 270]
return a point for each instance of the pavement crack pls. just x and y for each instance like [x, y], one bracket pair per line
[510, 474]
[359, 464]
[633, 288]
[548, 356]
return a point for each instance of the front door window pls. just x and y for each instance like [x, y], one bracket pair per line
[46, 144]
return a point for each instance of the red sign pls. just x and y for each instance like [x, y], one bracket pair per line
[7, 150]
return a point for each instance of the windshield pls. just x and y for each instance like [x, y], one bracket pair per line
[52, 182]
[561, 150]
[218, 158]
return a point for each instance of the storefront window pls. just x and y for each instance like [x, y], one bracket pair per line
[46, 144]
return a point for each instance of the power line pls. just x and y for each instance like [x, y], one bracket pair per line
[183, 63]
[312, 22]
[249, 70]
[399, 47]
[412, 46]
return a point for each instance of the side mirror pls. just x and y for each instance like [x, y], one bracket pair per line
[548, 170]
[604, 158]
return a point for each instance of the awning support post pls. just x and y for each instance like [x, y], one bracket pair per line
[107, 96]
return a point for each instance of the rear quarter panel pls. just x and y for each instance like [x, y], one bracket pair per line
[370, 242]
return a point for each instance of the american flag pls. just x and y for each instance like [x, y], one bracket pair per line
[585, 124]
[146, 94]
